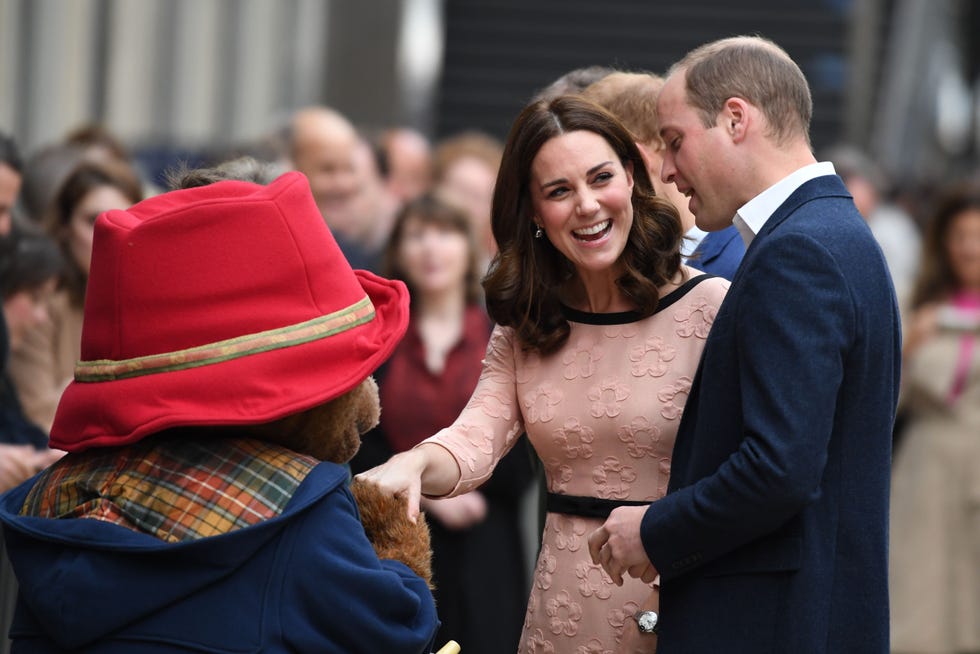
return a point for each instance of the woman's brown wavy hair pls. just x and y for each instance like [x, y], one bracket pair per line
[527, 274]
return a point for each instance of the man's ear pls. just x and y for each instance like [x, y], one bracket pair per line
[644, 153]
[736, 118]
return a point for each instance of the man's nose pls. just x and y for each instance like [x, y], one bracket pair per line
[667, 171]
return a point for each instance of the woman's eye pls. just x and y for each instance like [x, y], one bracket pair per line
[557, 192]
[604, 176]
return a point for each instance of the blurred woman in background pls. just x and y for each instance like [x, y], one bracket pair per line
[935, 521]
[478, 560]
[43, 364]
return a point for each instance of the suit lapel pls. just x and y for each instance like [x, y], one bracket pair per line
[819, 187]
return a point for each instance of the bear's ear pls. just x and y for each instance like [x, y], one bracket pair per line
[391, 533]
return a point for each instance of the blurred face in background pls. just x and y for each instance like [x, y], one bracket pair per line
[433, 256]
[409, 164]
[324, 150]
[469, 182]
[81, 223]
[27, 309]
[10, 182]
[963, 245]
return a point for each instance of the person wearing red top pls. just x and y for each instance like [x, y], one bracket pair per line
[478, 562]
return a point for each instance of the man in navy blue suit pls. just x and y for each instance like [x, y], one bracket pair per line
[772, 537]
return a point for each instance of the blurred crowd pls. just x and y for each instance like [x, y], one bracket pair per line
[405, 206]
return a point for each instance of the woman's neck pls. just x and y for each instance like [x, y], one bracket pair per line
[439, 322]
[597, 293]
[441, 305]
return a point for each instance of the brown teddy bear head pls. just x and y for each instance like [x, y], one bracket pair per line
[330, 431]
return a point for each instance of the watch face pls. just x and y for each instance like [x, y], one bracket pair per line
[647, 621]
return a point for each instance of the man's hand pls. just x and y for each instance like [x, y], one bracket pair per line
[635, 642]
[617, 547]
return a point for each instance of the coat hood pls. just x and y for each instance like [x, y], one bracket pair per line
[85, 578]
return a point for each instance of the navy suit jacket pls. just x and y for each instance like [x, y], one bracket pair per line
[719, 253]
[772, 538]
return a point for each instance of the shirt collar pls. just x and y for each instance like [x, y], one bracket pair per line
[753, 214]
[692, 239]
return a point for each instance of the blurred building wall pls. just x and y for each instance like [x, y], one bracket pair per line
[193, 73]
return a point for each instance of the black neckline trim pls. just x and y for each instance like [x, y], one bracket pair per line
[626, 317]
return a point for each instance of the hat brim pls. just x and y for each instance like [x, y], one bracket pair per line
[252, 389]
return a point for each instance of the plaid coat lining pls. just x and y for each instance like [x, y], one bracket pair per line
[177, 489]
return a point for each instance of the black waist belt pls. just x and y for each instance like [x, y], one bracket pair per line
[587, 507]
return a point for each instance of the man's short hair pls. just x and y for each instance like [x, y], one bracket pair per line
[632, 98]
[756, 70]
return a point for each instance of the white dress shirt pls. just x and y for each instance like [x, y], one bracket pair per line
[753, 214]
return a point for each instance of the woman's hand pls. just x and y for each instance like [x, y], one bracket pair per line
[458, 512]
[427, 468]
[401, 476]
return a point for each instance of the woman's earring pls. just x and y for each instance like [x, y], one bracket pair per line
[538, 233]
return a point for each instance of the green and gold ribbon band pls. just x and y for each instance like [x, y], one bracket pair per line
[234, 348]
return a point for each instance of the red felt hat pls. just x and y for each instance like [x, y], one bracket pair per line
[221, 305]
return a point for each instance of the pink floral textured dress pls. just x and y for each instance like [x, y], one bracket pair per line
[602, 413]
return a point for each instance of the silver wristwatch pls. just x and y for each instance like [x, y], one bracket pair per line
[647, 621]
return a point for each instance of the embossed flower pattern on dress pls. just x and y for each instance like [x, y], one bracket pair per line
[494, 405]
[594, 646]
[617, 618]
[564, 614]
[607, 398]
[499, 351]
[613, 479]
[628, 330]
[652, 357]
[674, 398]
[541, 402]
[547, 564]
[559, 474]
[527, 371]
[575, 439]
[580, 359]
[663, 467]
[593, 581]
[569, 533]
[630, 443]
[695, 318]
[479, 441]
[642, 437]
[538, 644]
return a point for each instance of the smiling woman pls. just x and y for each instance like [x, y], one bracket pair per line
[569, 156]
[599, 331]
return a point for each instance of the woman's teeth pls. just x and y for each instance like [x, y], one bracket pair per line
[590, 233]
